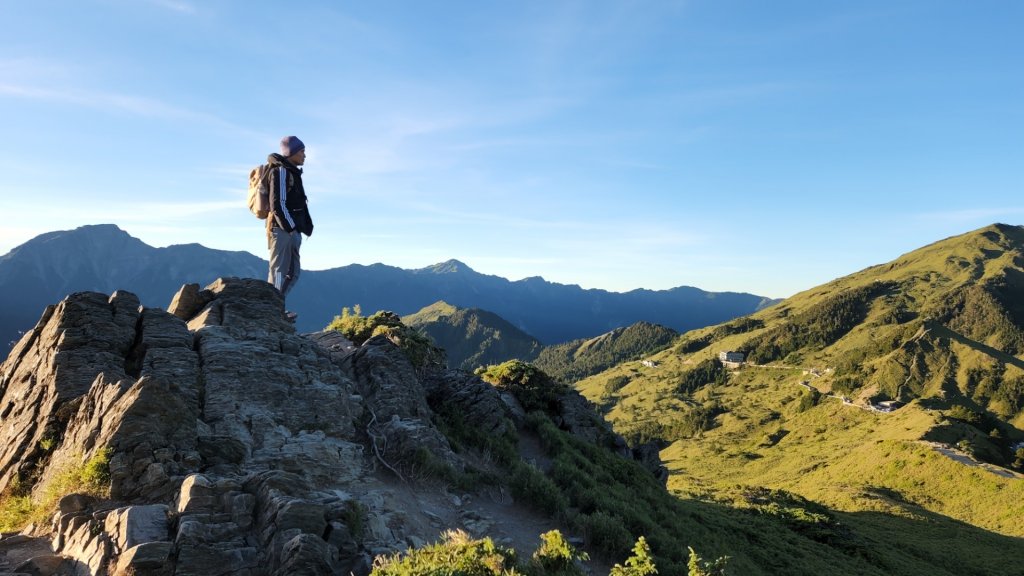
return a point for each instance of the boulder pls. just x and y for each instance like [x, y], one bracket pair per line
[149, 559]
[133, 525]
[46, 565]
[305, 555]
[189, 301]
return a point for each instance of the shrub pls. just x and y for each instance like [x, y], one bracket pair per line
[354, 515]
[417, 347]
[699, 567]
[15, 511]
[530, 485]
[534, 389]
[639, 564]
[964, 414]
[615, 383]
[705, 372]
[846, 384]
[556, 557]
[605, 531]
[358, 328]
[809, 399]
[455, 554]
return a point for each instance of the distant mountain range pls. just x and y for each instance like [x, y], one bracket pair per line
[104, 258]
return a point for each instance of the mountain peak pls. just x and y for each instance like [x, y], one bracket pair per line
[433, 312]
[92, 233]
[452, 266]
[473, 337]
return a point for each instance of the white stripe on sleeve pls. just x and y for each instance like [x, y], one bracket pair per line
[282, 195]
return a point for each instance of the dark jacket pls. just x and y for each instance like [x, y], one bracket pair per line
[288, 209]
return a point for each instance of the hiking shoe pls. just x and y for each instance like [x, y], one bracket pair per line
[290, 316]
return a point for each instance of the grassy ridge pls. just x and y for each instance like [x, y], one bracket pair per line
[473, 338]
[938, 329]
[578, 359]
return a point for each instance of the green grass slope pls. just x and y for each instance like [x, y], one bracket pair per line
[939, 330]
[578, 359]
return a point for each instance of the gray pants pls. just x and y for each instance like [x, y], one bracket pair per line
[284, 259]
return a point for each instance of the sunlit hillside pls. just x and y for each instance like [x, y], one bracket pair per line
[893, 393]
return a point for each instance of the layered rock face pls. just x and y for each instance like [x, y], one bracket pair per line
[235, 445]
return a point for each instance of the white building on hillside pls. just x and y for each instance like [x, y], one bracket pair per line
[730, 356]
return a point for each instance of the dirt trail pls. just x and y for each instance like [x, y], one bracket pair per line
[964, 458]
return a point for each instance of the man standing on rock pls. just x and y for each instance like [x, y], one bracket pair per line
[289, 215]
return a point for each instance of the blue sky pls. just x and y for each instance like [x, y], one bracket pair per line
[754, 146]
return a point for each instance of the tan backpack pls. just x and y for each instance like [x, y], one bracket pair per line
[259, 191]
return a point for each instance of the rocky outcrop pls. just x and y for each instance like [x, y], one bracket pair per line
[51, 368]
[480, 406]
[235, 445]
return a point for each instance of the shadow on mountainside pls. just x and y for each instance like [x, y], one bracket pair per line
[912, 541]
[940, 330]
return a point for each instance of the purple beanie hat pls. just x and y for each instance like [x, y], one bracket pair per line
[290, 145]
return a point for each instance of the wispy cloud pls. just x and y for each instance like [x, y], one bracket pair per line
[116, 103]
[175, 5]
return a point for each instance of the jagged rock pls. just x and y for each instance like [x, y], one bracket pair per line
[515, 408]
[149, 428]
[133, 525]
[340, 537]
[245, 306]
[82, 541]
[307, 517]
[387, 380]
[278, 396]
[197, 495]
[246, 428]
[403, 444]
[221, 449]
[189, 301]
[46, 565]
[205, 559]
[149, 559]
[400, 424]
[52, 366]
[577, 416]
[334, 343]
[8, 540]
[109, 342]
[479, 404]
[305, 555]
[66, 525]
[649, 456]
